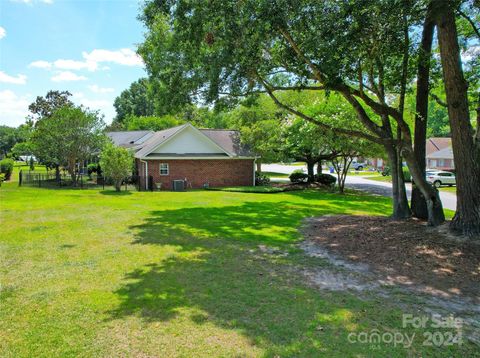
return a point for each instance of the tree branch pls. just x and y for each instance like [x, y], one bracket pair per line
[470, 21]
[439, 100]
[313, 120]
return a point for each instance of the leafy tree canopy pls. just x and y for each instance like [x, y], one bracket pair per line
[134, 101]
[45, 106]
[68, 136]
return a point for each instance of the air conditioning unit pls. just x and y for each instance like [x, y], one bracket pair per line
[178, 185]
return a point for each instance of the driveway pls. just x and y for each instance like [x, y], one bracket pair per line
[449, 200]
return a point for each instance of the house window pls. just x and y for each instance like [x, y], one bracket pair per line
[163, 168]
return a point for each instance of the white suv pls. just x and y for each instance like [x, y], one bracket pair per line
[439, 178]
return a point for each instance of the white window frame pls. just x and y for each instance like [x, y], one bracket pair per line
[162, 169]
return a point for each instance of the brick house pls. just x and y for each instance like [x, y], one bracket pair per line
[439, 154]
[199, 157]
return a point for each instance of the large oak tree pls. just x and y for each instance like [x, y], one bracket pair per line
[364, 50]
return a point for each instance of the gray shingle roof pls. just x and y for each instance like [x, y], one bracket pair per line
[445, 153]
[129, 139]
[229, 140]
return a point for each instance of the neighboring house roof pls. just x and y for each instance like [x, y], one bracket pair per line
[227, 143]
[445, 153]
[435, 144]
[129, 139]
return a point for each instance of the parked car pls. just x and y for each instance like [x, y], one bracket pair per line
[439, 178]
[358, 166]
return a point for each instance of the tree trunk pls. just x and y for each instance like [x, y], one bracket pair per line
[71, 171]
[310, 171]
[258, 162]
[465, 149]
[402, 190]
[319, 166]
[401, 209]
[57, 173]
[435, 212]
[418, 202]
[118, 185]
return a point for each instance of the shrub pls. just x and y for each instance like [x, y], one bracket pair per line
[6, 167]
[325, 179]
[93, 168]
[261, 179]
[298, 176]
[116, 163]
[2, 178]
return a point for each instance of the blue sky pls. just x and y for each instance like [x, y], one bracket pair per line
[84, 46]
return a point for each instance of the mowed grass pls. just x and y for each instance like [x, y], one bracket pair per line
[96, 273]
[386, 179]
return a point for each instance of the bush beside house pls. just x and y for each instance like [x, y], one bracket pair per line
[6, 167]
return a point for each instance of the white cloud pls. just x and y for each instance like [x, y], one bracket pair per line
[40, 64]
[97, 89]
[30, 2]
[75, 65]
[18, 80]
[13, 108]
[124, 56]
[105, 107]
[93, 59]
[67, 76]
[3, 32]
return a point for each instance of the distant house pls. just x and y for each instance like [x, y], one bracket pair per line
[439, 154]
[199, 157]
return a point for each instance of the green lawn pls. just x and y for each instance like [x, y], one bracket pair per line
[450, 189]
[386, 179]
[96, 273]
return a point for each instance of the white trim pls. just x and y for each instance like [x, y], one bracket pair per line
[146, 173]
[254, 164]
[160, 169]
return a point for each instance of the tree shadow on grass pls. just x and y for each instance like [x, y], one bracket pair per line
[115, 193]
[217, 269]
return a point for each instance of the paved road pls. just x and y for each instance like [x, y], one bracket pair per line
[449, 200]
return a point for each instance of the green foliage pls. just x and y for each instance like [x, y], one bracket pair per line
[44, 107]
[6, 167]
[22, 148]
[406, 175]
[325, 179]
[298, 176]
[94, 168]
[134, 101]
[261, 179]
[2, 178]
[116, 163]
[135, 123]
[32, 164]
[260, 125]
[8, 138]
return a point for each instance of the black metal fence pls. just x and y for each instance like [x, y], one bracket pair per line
[81, 181]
